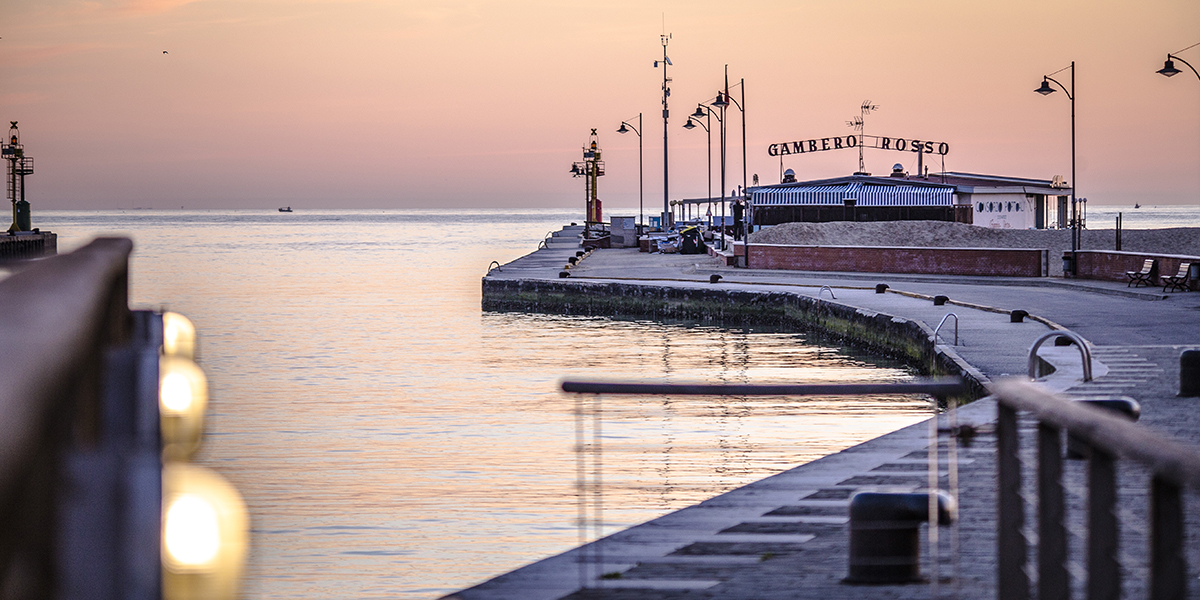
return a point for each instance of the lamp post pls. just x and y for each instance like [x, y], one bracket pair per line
[707, 126]
[626, 127]
[1169, 69]
[1046, 90]
[666, 94]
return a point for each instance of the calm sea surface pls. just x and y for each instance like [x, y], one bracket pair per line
[394, 441]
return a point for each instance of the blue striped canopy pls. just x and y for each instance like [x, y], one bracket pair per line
[866, 194]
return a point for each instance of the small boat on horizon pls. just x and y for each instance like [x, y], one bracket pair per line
[285, 209]
[1136, 205]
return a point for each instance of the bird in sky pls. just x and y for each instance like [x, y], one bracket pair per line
[164, 51]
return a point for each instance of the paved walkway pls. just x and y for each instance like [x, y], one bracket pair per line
[786, 536]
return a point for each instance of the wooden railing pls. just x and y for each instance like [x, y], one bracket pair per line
[1172, 468]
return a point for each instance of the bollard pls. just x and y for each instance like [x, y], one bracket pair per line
[1122, 405]
[885, 541]
[1189, 373]
[573, 260]
[563, 274]
[940, 300]
[580, 253]
[1018, 316]
[881, 288]
[1063, 340]
[714, 278]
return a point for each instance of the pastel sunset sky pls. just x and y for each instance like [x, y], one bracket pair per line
[393, 104]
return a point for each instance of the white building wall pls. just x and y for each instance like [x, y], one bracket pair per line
[1004, 211]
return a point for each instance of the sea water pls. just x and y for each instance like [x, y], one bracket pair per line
[392, 440]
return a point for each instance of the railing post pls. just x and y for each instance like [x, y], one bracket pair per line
[1013, 583]
[1053, 580]
[1104, 570]
[1168, 565]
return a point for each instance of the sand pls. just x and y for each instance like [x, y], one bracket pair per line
[1178, 240]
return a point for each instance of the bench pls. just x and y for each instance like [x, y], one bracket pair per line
[1179, 281]
[1146, 276]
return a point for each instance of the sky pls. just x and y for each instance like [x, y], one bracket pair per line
[448, 104]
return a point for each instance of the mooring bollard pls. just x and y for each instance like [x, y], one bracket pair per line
[1063, 340]
[714, 278]
[563, 274]
[881, 288]
[885, 541]
[1018, 316]
[580, 253]
[1121, 405]
[1189, 373]
[940, 300]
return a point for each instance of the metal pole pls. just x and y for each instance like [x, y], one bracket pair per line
[708, 130]
[1075, 235]
[666, 155]
[641, 186]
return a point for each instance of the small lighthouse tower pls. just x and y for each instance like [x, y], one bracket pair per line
[19, 166]
[591, 169]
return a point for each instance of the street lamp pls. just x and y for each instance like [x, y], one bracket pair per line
[626, 127]
[692, 123]
[666, 94]
[1046, 90]
[704, 110]
[1169, 69]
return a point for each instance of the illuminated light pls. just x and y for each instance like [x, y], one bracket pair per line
[179, 335]
[182, 403]
[191, 535]
[205, 534]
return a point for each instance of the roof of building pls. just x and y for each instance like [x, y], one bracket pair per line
[936, 189]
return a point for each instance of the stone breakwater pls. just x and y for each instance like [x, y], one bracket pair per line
[908, 340]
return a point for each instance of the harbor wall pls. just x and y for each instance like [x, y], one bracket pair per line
[1111, 265]
[986, 262]
[28, 245]
[896, 337]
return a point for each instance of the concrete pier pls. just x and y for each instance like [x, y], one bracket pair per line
[28, 244]
[786, 536]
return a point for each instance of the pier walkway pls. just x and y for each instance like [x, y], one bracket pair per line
[787, 536]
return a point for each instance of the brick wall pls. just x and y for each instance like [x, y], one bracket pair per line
[1006, 262]
[1112, 265]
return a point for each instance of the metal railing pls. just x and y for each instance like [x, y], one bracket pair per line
[61, 316]
[942, 392]
[1172, 467]
[1084, 352]
[943, 322]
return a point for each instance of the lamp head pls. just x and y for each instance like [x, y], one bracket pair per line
[689, 124]
[1168, 68]
[574, 169]
[623, 129]
[699, 112]
[1045, 90]
[720, 102]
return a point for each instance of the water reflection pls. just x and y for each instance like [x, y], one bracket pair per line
[392, 441]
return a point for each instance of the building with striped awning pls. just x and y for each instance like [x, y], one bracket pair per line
[987, 200]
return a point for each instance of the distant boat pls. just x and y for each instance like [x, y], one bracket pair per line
[286, 209]
[1136, 205]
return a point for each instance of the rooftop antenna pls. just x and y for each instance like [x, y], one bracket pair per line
[858, 124]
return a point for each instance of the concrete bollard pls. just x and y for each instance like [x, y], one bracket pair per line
[1189, 373]
[580, 253]
[573, 260]
[1018, 316]
[885, 541]
[714, 278]
[940, 300]
[881, 288]
[563, 274]
[1063, 340]
[1122, 405]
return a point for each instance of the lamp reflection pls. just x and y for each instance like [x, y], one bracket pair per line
[182, 400]
[204, 540]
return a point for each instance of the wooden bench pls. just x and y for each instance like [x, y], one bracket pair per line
[1179, 281]
[1144, 277]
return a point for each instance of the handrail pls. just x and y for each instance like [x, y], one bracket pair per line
[497, 263]
[1079, 341]
[939, 328]
[60, 315]
[825, 287]
[936, 386]
[1172, 468]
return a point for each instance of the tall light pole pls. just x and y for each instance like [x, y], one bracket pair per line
[626, 127]
[1046, 90]
[1169, 69]
[692, 124]
[666, 94]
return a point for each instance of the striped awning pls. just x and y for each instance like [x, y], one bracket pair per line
[866, 194]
